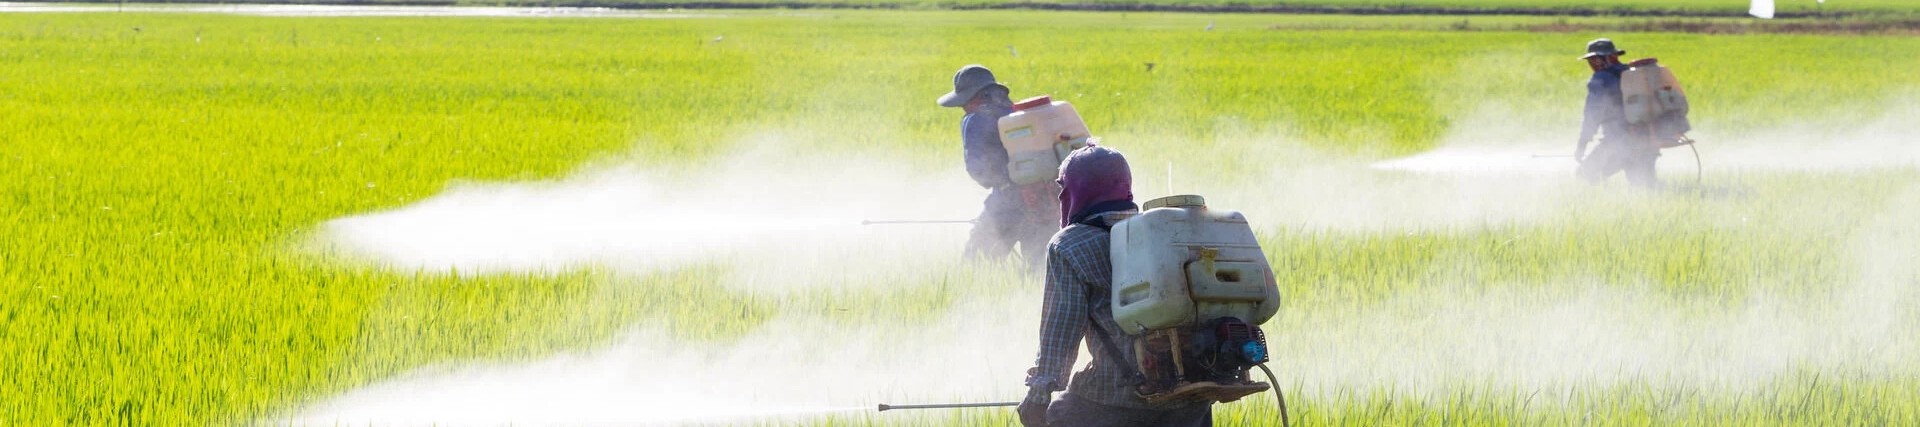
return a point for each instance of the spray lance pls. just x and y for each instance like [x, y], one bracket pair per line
[1699, 170]
[917, 221]
[1654, 100]
[885, 407]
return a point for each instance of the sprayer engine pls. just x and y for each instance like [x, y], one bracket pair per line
[1225, 349]
[1213, 361]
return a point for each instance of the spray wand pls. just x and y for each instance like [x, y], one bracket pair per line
[884, 407]
[1699, 171]
[916, 221]
[1284, 420]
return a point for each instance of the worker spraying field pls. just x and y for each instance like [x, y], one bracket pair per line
[837, 370]
[1189, 290]
[634, 223]
[1581, 332]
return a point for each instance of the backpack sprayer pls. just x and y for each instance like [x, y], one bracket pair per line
[1190, 288]
[1657, 105]
[1038, 135]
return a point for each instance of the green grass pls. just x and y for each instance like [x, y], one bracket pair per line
[163, 173]
[1609, 7]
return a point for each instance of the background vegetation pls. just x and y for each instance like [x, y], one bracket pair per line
[161, 172]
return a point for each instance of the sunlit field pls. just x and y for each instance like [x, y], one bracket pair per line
[1798, 8]
[181, 192]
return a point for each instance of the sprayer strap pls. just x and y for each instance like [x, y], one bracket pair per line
[1118, 357]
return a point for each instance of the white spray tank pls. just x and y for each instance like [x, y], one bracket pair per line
[1190, 289]
[1654, 101]
[1178, 263]
[1038, 136]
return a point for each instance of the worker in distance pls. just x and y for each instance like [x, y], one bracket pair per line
[1620, 149]
[1012, 215]
[1637, 109]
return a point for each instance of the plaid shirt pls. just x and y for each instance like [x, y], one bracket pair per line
[1079, 279]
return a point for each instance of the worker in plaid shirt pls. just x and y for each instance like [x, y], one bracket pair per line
[1095, 181]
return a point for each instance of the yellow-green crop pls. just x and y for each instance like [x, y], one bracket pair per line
[163, 172]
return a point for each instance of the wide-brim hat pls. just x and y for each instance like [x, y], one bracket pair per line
[1601, 47]
[966, 83]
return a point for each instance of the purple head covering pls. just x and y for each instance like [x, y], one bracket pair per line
[1093, 177]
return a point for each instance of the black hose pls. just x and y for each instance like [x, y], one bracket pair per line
[1699, 173]
[1284, 422]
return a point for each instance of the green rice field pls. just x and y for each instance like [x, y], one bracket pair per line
[1830, 9]
[170, 179]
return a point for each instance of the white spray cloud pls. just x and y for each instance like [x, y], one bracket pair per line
[1345, 196]
[1572, 332]
[796, 367]
[1488, 143]
[1586, 335]
[1885, 142]
[778, 220]
[771, 212]
[1492, 170]
[758, 211]
[1283, 184]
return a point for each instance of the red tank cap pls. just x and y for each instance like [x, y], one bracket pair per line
[1028, 103]
[1645, 62]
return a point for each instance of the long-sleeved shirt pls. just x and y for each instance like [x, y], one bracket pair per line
[1078, 299]
[1606, 112]
[986, 159]
[980, 142]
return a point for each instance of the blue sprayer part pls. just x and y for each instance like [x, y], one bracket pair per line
[1255, 352]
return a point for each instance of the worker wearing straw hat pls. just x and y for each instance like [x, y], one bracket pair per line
[1013, 215]
[1620, 149]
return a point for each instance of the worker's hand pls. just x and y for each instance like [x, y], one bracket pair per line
[1033, 410]
[1580, 155]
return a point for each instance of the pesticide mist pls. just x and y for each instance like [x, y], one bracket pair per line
[1485, 144]
[780, 222]
[787, 224]
[796, 368]
[768, 211]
